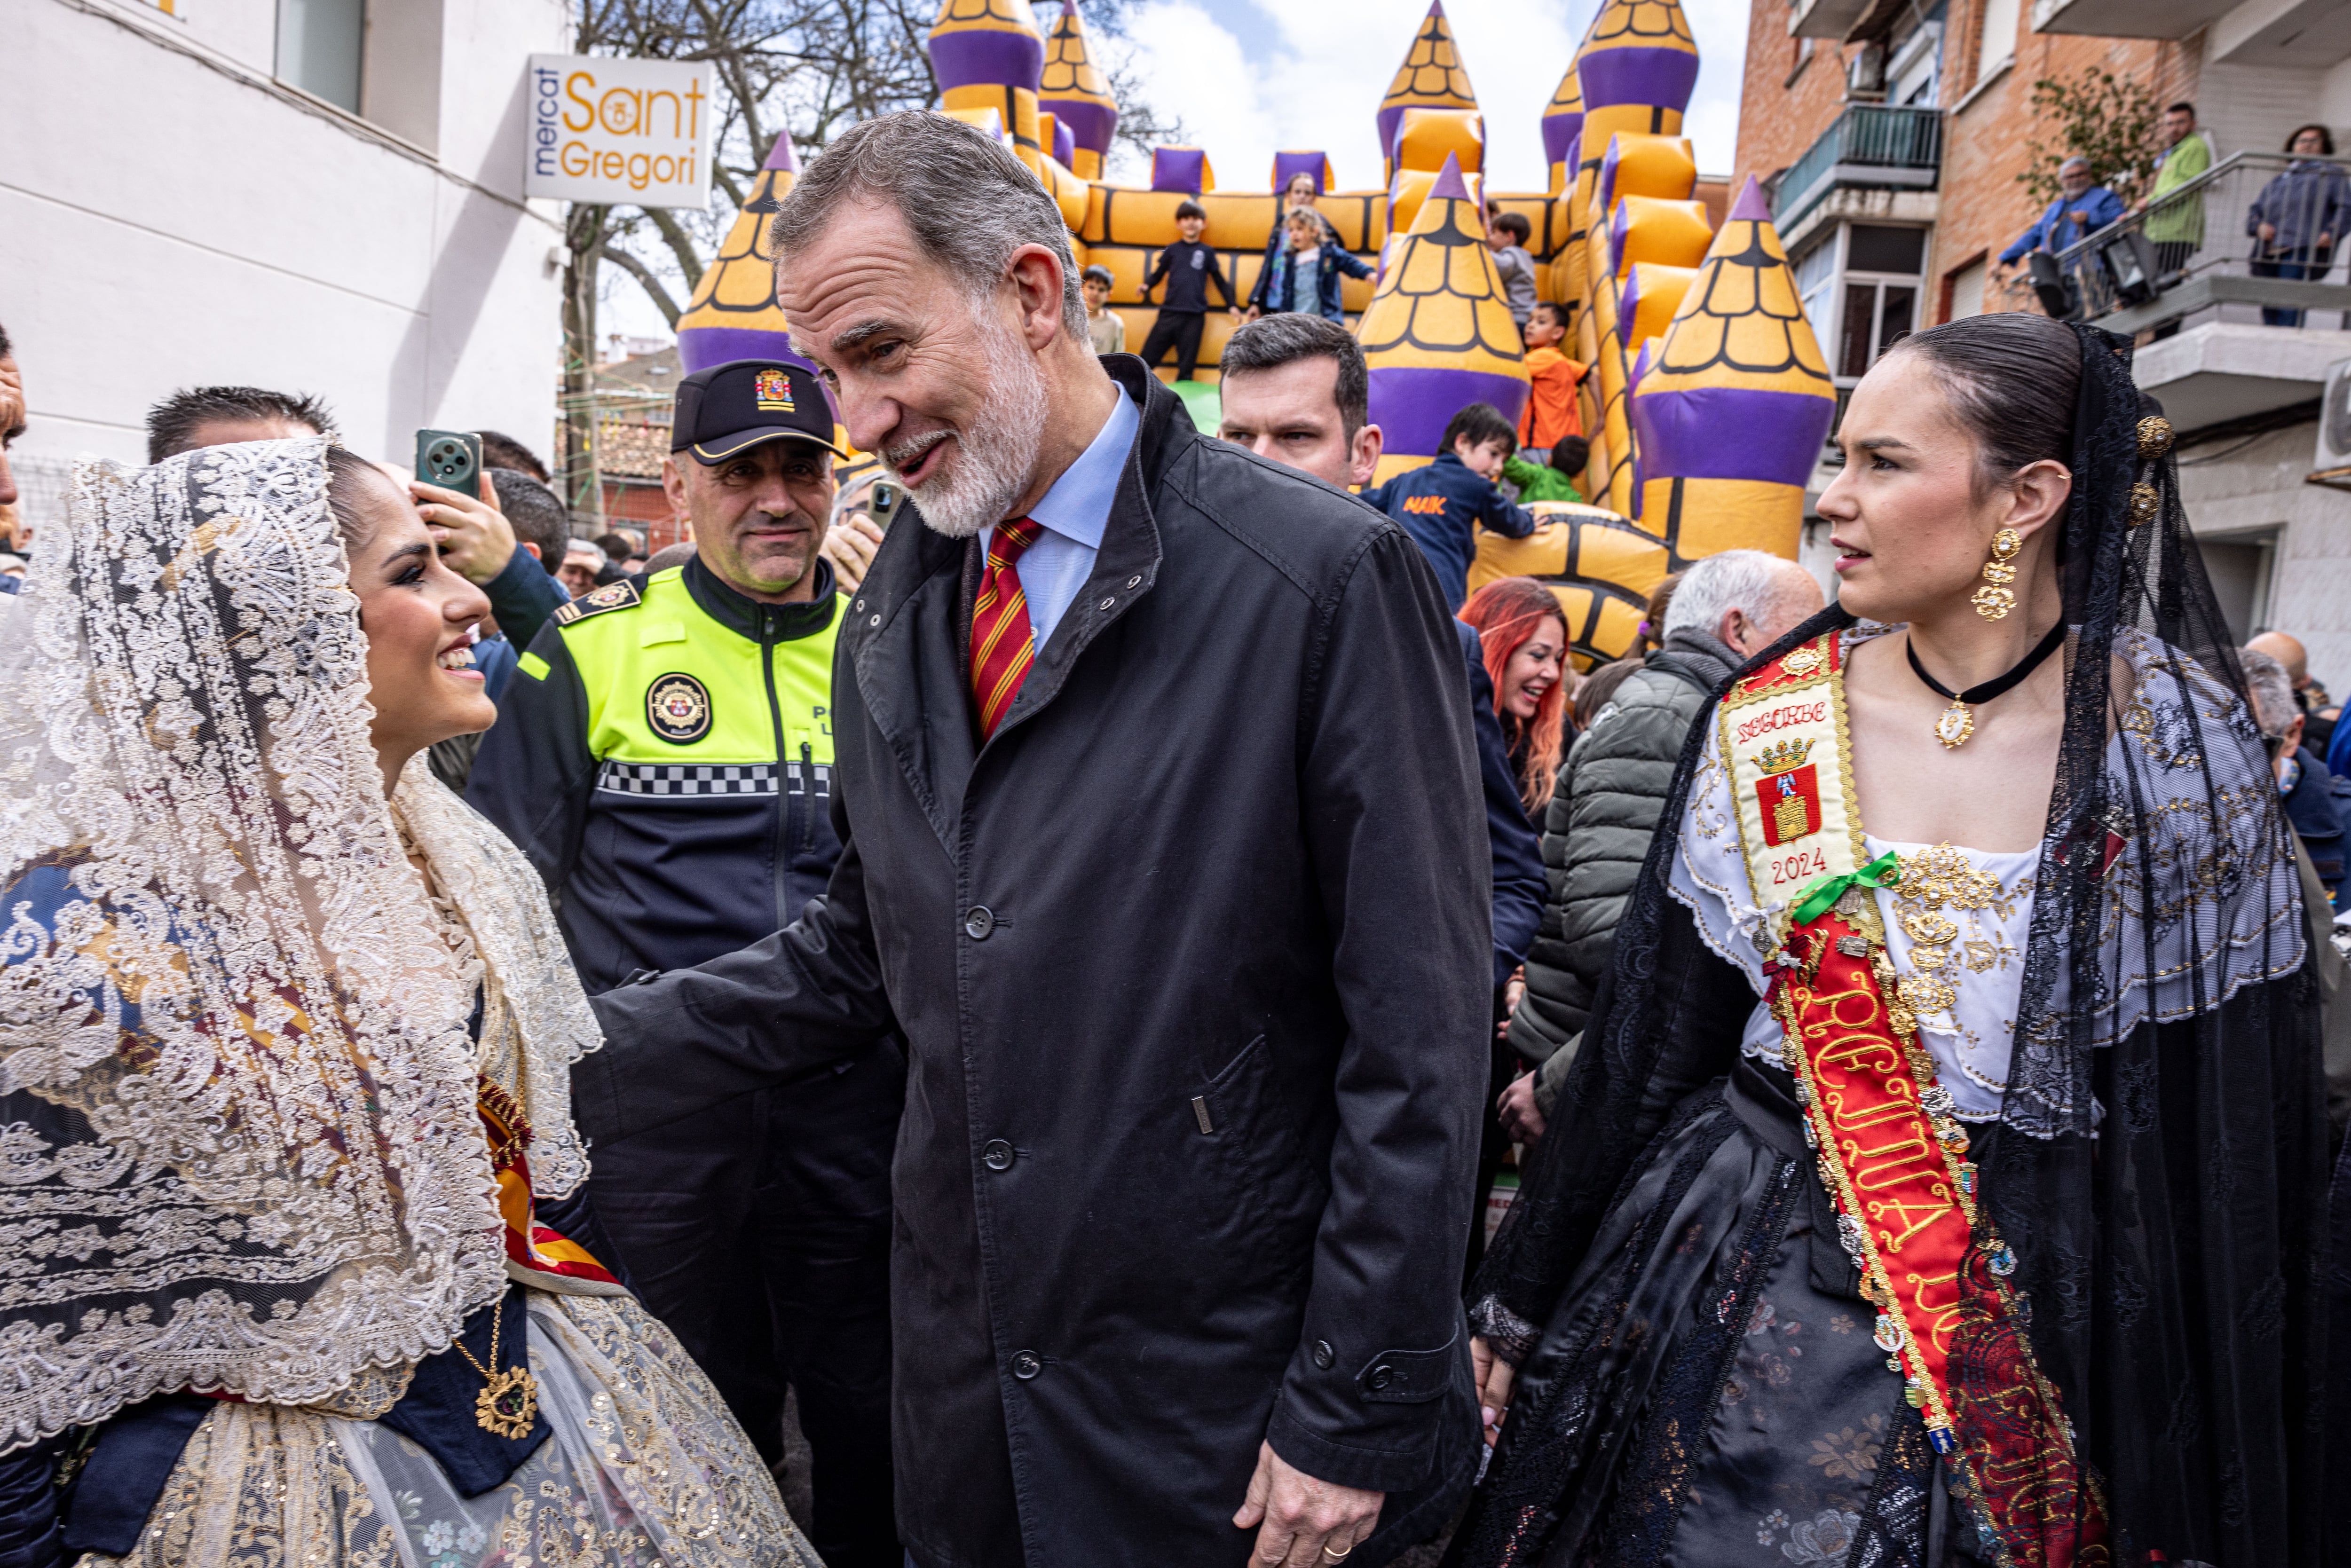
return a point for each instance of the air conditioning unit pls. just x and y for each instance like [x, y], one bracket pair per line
[2334, 418]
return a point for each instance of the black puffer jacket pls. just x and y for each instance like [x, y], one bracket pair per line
[1597, 829]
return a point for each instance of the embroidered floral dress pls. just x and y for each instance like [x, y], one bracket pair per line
[1709, 1391]
[257, 1170]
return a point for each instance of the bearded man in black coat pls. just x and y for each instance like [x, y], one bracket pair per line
[1165, 849]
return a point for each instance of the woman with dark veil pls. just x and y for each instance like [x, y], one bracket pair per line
[1942, 1176]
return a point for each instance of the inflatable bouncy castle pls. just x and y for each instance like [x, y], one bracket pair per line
[1704, 397]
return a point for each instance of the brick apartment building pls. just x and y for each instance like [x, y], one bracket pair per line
[1890, 134]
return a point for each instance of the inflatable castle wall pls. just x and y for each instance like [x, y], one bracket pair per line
[1705, 398]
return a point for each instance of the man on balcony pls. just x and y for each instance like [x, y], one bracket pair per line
[2084, 209]
[2176, 225]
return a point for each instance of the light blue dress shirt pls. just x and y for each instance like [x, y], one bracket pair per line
[1073, 514]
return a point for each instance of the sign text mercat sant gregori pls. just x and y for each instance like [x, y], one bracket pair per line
[601, 129]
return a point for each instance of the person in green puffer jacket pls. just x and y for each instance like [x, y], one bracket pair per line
[2176, 228]
[1729, 607]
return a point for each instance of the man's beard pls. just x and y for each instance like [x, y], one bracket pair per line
[981, 483]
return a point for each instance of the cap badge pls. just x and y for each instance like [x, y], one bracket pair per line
[774, 391]
[677, 707]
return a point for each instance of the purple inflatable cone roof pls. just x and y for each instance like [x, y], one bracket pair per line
[1751, 206]
[1450, 186]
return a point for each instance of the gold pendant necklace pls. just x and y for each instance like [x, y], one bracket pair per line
[1958, 722]
[508, 1405]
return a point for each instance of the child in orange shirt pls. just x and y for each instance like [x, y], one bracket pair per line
[1550, 410]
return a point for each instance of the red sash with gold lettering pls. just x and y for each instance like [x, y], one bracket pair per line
[530, 1244]
[1891, 1155]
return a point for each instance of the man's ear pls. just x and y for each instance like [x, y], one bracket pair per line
[533, 548]
[1364, 455]
[1035, 275]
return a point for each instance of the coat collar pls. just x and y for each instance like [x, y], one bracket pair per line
[757, 622]
[913, 613]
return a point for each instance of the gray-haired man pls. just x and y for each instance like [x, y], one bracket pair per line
[1161, 827]
[1729, 607]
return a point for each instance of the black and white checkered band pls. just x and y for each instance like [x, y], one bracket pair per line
[710, 779]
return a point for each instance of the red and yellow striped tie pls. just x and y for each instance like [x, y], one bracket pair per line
[1001, 651]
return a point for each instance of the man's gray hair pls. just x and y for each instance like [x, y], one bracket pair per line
[1748, 579]
[966, 198]
[2271, 689]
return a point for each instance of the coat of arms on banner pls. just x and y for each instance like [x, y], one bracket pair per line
[1789, 792]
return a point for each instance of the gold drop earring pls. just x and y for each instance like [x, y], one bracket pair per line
[1995, 599]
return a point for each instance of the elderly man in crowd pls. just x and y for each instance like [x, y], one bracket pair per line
[1160, 824]
[1727, 609]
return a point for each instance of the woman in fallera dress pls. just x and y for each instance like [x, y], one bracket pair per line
[1942, 1176]
[297, 1270]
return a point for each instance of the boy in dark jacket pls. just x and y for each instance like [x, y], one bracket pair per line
[1443, 506]
[1187, 266]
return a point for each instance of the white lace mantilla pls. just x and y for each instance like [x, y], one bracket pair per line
[1958, 929]
[248, 1157]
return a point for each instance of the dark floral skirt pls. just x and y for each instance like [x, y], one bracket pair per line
[1707, 1393]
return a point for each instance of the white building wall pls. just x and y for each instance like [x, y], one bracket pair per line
[169, 217]
[2237, 491]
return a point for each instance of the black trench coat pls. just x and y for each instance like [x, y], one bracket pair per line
[1193, 961]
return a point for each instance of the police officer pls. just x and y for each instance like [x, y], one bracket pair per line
[664, 757]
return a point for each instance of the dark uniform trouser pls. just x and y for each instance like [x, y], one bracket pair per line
[760, 1232]
[1182, 329]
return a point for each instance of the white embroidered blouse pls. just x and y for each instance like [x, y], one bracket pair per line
[1958, 929]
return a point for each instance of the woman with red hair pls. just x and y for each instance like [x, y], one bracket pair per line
[1525, 637]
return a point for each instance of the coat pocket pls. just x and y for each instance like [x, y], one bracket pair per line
[1259, 1152]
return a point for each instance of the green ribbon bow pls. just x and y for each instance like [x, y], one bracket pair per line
[1885, 871]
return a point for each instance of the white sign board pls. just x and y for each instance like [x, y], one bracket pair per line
[625, 131]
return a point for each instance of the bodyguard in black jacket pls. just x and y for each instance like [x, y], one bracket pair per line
[1184, 1166]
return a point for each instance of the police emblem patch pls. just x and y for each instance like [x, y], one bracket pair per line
[677, 707]
[621, 595]
[773, 389]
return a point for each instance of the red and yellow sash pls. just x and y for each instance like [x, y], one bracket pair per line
[1891, 1153]
[529, 1243]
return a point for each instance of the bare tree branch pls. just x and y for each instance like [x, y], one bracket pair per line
[652, 285]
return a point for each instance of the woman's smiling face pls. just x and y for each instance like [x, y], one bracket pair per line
[1533, 670]
[419, 618]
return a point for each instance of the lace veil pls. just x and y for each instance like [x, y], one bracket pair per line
[239, 1150]
[2160, 1161]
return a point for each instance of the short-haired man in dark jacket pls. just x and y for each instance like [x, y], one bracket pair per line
[1443, 504]
[1162, 843]
[1728, 608]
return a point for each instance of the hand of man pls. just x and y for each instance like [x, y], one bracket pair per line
[851, 545]
[2269, 233]
[1520, 1115]
[1495, 1377]
[1307, 1523]
[477, 540]
[1512, 989]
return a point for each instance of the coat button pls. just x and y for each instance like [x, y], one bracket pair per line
[1108, 602]
[1323, 1354]
[1135, 581]
[1379, 1377]
[1027, 1363]
[997, 1156]
[977, 922]
[874, 620]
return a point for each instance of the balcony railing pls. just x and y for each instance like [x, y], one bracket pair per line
[1869, 144]
[2204, 245]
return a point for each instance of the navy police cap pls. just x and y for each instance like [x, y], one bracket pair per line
[733, 407]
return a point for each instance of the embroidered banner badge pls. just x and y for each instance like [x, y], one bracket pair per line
[1892, 1155]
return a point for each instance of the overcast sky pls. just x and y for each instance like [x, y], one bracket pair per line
[1250, 78]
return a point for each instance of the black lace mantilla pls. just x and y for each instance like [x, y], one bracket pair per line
[2164, 1186]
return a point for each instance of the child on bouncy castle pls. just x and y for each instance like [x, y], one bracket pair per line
[1443, 505]
[1188, 267]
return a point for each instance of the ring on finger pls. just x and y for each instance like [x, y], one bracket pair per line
[1335, 1556]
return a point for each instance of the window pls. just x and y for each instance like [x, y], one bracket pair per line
[1999, 42]
[1967, 288]
[1912, 75]
[318, 44]
[1860, 288]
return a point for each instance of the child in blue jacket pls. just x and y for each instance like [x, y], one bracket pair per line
[1444, 505]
